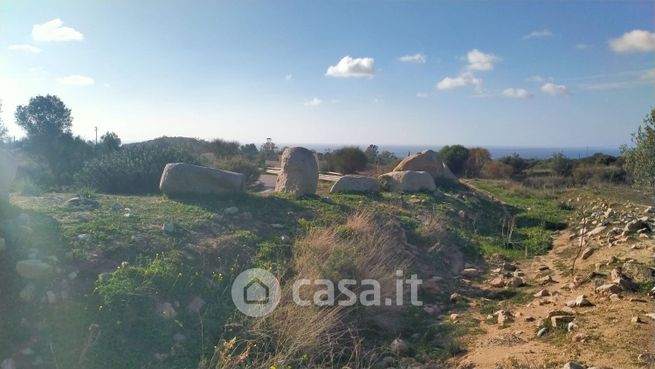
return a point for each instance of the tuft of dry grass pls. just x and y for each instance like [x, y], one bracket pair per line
[365, 247]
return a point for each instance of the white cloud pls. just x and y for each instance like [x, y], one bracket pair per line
[536, 78]
[648, 75]
[352, 67]
[635, 41]
[554, 89]
[422, 95]
[518, 93]
[477, 60]
[76, 80]
[538, 34]
[583, 46]
[288, 77]
[54, 30]
[25, 48]
[463, 80]
[314, 102]
[416, 58]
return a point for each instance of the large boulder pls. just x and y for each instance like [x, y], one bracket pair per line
[356, 184]
[407, 181]
[188, 179]
[427, 161]
[7, 173]
[299, 171]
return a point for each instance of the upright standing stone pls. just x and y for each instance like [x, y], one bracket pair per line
[7, 173]
[299, 172]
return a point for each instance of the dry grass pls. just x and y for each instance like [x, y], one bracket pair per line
[323, 337]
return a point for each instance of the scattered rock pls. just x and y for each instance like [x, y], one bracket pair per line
[399, 346]
[571, 326]
[637, 320]
[542, 332]
[580, 301]
[596, 231]
[509, 267]
[646, 358]
[515, 282]
[542, 293]
[455, 297]
[573, 365]
[470, 272]
[189, 179]
[166, 310]
[8, 364]
[497, 282]
[33, 269]
[407, 181]
[299, 172]
[608, 289]
[545, 280]
[82, 202]
[231, 211]
[561, 321]
[356, 184]
[587, 253]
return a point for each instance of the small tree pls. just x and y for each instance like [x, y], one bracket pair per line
[44, 117]
[110, 142]
[478, 157]
[455, 157]
[372, 153]
[249, 151]
[562, 165]
[640, 159]
[347, 160]
[224, 149]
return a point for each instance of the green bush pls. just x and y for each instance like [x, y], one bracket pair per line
[248, 168]
[599, 174]
[131, 170]
[347, 160]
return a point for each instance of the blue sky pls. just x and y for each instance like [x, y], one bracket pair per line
[550, 74]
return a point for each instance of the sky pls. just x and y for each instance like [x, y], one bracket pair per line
[489, 73]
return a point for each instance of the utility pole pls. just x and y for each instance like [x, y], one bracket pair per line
[96, 129]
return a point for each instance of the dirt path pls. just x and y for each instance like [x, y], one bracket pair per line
[604, 334]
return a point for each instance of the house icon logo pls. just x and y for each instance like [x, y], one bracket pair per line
[256, 292]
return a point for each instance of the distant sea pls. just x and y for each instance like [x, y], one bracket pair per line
[496, 151]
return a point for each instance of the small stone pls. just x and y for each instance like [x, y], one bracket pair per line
[636, 320]
[232, 210]
[33, 269]
[455, 297]
[530, 318]
[516, 282]
[543, 268]
[587, 253]
[571, 326]
[168, 228]
[51, 297]
[166, 310]
[84, 237]
[196, 305]
[581, 301]
[542, 293]
[453, 317]
[608, 289]
[399, 346]
[497, 282]
[8, 364]
[561, 320]
[545, 280]
[542, 332]
[572, 365]
[509, 267]
[470, 272]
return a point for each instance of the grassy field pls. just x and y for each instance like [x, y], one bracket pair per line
[131, 273]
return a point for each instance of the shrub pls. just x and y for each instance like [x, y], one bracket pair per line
[562, 165]
[496, 169]
[133, 169]
[599, 174]
[639, 159]
[347, 160]
[248, 168]
[455, 157]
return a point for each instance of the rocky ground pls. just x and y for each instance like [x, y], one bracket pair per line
[601, 314]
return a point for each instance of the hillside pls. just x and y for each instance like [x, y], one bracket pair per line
[144, 281]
